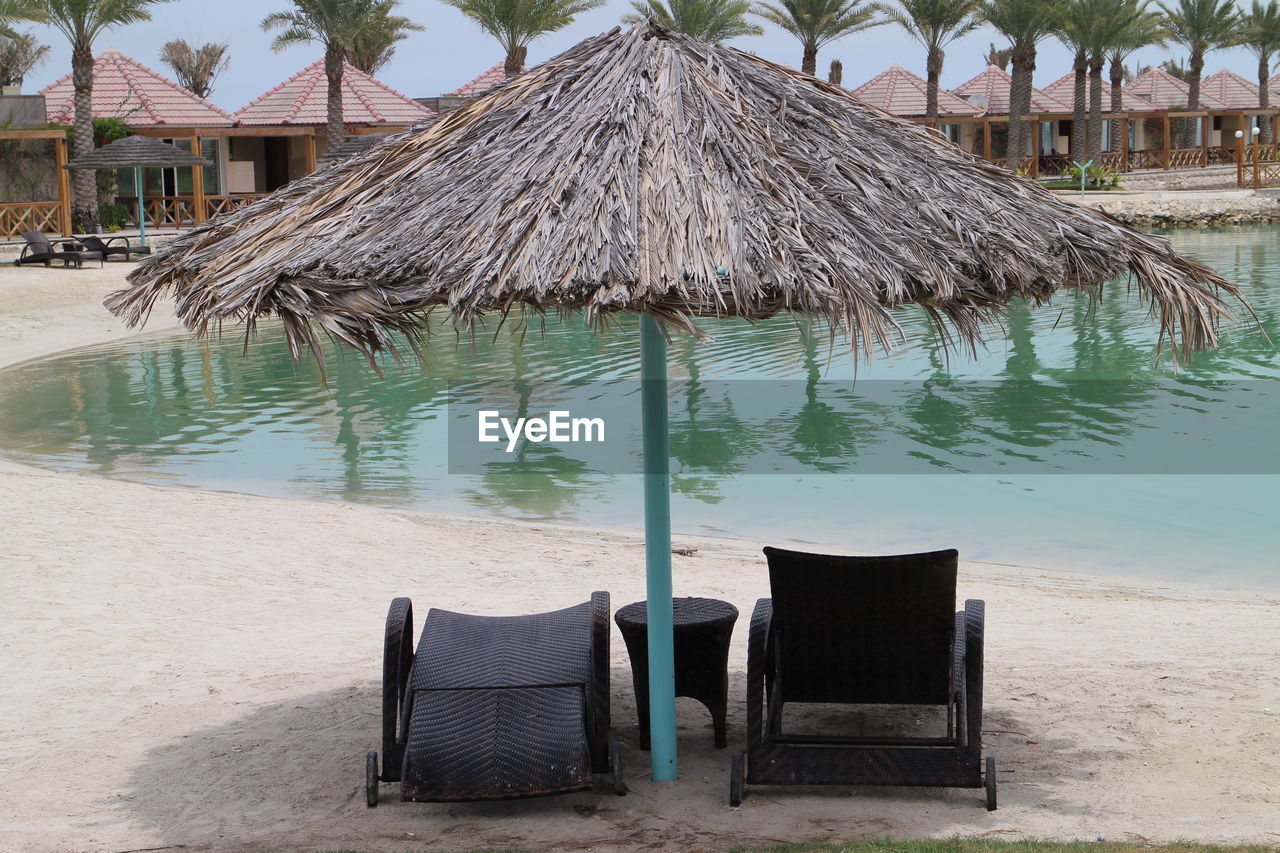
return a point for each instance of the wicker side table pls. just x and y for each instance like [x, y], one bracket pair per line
[703, 627]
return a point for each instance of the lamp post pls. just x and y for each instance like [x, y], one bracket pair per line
[1240, 159]
[1257, 166]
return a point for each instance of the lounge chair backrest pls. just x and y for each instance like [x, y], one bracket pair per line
[93, 243]
[506, 651]
[863, 629]
[38, 241]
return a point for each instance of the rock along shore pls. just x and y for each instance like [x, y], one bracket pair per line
[1185, 208]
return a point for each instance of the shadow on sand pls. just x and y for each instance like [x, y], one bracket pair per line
[289, 775]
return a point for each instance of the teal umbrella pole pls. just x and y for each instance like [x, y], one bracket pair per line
[142, 210]
[657, 549]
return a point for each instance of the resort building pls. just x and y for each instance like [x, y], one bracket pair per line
[475, 87]
[264, 163]
[990, 91]
[896, 90]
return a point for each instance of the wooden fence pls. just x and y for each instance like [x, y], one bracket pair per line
[16, 216]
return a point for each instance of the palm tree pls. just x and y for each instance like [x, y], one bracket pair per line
[935, 24]
[1076, 32]
[1025, 23]
[195, 67]
[818, 22]
[715, 21]
[997, 56]
[82, 21]
[19, 54]
[516, 23]
[338, 25]
[1200, 26]
[374, 49]
[1146, 29]
[1114, 20]
[1262, 37]
[12, 11]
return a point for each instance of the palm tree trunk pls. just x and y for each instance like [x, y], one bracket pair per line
[809, 62]
[84, 181]
[514, 63]
[334, 129]
[934, 71]
[1195, 67]
[1118, 128]
[1023, 60]
[1095, 107]
[1264, 98]
[1080, 68]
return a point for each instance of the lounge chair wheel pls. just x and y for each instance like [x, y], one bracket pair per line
[615, 768]
[737, 778]
[991, 783]
[371, 779]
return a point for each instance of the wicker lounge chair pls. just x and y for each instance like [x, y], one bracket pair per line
[40, 251]
[495, 708]
[864, 631]
[107, 246]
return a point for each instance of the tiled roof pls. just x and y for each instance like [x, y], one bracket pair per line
[1164, 91]
[902, 93]
[1231, 89]
[126, 89]
[1064, 89]
[993, 84]
[481, 84]
[302, 99]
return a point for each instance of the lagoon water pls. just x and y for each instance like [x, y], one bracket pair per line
[1064, 446]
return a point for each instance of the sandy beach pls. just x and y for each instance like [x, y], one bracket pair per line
[196, 670]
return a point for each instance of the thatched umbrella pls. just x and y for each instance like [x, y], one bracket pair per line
[644, 171]
[137, 151]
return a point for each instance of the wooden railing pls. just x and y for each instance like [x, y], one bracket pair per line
[215, 204]
[18, 216]
[179, 211]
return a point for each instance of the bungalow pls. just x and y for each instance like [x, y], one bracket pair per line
[990, 89]
[1063, 89]
[896, 90]
[262, 163]
[150, 103]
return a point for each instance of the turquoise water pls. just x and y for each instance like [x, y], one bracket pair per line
[777, 436]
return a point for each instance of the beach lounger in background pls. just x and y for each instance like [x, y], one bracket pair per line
[40, 251]
[866, 631]
[495, 708]
[109, 248]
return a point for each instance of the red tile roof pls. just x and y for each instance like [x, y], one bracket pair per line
[126, 89]
[993, 84]
[902, 93]
[302, 100]
[481, 84]
[1165, 91]
[1231, 89]
[1064, 89]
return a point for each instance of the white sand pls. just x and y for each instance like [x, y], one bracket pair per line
[201, 670]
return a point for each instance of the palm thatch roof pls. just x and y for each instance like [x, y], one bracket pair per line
[643, 170]
[136, 151]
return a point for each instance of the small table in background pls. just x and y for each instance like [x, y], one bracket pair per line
[703, 627]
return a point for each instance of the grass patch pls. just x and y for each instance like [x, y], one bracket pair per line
[995, 845]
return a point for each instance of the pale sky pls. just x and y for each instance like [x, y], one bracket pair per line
[453, 49]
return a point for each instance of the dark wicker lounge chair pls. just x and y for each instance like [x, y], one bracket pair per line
[109, 248]
[495, 708]
[864, 631]
[39, 250]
